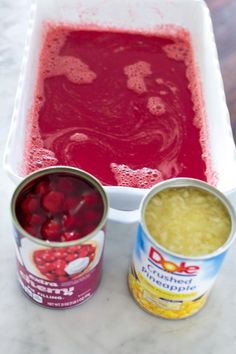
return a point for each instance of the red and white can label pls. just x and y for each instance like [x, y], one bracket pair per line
[60, 277]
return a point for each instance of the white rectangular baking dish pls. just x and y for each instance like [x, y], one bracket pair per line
[193, 15]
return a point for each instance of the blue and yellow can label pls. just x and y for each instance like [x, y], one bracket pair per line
[167, 285]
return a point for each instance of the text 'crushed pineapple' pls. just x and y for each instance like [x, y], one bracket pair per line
[188, 221]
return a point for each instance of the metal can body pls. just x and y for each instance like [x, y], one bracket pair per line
[36, 257]
[167, 284]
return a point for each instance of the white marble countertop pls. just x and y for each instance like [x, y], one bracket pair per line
[110, 322]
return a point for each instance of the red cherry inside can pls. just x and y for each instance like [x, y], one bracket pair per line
[59, 207]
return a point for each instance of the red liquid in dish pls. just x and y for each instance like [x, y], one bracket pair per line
[125, 107]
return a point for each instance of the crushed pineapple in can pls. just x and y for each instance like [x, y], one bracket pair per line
[185, 231]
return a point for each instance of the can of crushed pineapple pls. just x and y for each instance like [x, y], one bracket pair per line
[169, 284]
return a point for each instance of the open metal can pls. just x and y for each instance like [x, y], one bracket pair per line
[59, 271]
[166, 283]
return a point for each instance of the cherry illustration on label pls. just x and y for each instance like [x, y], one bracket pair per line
[63, 264]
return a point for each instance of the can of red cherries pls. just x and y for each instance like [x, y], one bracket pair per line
[59, 216]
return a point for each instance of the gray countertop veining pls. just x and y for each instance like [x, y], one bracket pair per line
[110, 322]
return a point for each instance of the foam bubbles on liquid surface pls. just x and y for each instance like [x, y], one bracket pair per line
[156, 105]
[54, 63]
[177, 51]
[136, 74]
[41, 158]
[74, 69]
[79, 137]
[139, 178]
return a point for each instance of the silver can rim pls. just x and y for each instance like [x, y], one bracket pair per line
[53, 170]
[190, 182]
